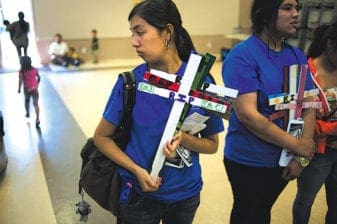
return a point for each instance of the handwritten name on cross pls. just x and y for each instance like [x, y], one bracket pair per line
[186, 91]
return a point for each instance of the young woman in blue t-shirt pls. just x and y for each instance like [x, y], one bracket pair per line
[254, 141]
[161, 41]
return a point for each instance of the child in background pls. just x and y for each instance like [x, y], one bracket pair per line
[94, 45]
[73, 58]
[29, 77]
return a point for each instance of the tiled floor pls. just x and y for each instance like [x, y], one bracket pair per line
[40, 183]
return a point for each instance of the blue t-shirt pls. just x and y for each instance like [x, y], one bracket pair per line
[149, 117]
[252, 67]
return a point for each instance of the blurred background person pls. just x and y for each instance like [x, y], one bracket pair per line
[19, 33]
[94, 45]
[58, 51]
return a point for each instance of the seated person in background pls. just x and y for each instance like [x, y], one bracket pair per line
[73, 58]
[58, 50]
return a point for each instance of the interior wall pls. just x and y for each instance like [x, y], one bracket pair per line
[75, 19]
[120, 47]
[244, 14]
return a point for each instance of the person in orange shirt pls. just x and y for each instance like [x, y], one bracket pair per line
[322, 169]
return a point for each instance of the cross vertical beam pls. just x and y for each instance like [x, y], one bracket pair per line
[193, 77]
[295, 114]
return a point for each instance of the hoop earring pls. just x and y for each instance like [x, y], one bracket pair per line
[167, 43]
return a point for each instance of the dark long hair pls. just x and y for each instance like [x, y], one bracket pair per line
[26, 63]
[320, 38]
[159, 13]
[263, 15]
[23, 24]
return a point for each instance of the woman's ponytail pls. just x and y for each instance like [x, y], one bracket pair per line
[184, 43]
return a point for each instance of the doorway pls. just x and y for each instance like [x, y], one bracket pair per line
[9, 11]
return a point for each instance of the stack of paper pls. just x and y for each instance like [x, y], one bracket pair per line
[194, 123]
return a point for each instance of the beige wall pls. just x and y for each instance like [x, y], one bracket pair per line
[120, 47]
[244, 13]
[206, 22]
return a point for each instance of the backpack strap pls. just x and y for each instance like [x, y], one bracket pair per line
[129, 97]
[129, 90]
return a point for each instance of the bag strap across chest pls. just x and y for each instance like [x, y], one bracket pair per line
[129, 84]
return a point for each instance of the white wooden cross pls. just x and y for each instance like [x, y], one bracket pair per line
[185, 92]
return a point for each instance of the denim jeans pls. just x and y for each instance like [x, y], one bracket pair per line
[255, 190]
[322, 170]
[142, 210]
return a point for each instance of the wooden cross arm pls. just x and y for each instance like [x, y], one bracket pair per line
[288, 97]
[293, 105]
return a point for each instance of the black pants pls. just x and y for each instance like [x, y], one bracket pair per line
[255, 190]
[18, 49]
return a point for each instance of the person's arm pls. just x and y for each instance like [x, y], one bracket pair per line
[20, 81]
[51, 49]
[206, 145]
[245, 107]
[38, 77]
[10, 26]
[112, 151]
[325, 128]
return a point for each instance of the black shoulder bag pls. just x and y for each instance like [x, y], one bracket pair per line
[99, 175]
